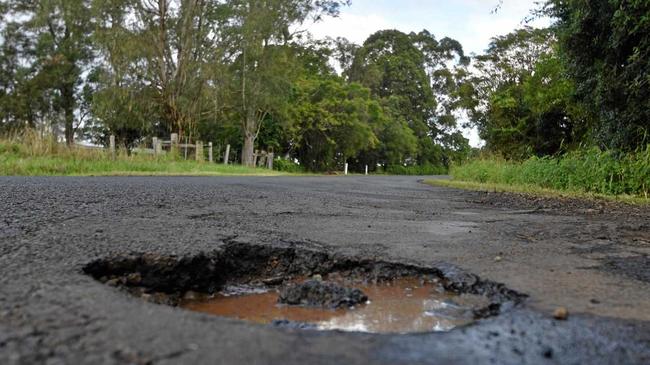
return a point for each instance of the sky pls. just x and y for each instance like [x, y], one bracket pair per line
[471, 22]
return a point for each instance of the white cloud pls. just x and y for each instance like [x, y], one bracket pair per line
[356, 28]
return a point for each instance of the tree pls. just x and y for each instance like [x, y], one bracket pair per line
[15, 95]
[332, 122]
[398, 142]
[413, 71]
[390, 65]
[59, 55]
[344, 52]
[520, 99]
[180, 42]
[263, 67]
[606, 48]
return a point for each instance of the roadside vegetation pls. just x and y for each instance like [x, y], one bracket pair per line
[580, 173]
[238, 72]
[565, 107]
[33, 155]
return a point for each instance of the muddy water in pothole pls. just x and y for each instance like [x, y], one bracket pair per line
[401, 306]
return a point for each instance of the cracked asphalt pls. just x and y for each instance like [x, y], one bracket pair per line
[592, 258]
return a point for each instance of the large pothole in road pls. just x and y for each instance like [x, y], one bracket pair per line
[304, 288]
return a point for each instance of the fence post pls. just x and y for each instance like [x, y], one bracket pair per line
[269, 161]
[173, 144]
[158, 147]
[262, 159]
[111, 145]
[210, 152]
[366, 169]
[255, 154]
[198, 149]
[187, 141]
[154, 141]
[346, 168]
[227, 155]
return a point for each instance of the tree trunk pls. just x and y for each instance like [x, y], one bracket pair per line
[68, 110]
[248, 150]
[250, 134]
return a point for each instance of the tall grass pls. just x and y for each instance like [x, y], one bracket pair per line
[33, 154]
[585, 171]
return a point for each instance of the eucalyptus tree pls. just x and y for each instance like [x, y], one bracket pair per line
[263, 68]
[15, 98]
[56, 54]
[178, 43]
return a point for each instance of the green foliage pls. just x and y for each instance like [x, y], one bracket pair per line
[418, 170]
[521, 100]
[331, 122]
[606, 46]
[410, 74]
[47, 46]
[390, 65]
[9, 148]
[231, 72]
[588, 171]
[284, 165]
[264, 63]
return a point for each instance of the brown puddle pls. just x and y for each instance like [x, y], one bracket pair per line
[403, 305]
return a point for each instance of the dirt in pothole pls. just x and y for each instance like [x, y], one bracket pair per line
[403, 305]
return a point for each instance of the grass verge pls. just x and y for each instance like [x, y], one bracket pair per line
[587, 173]
[34, 156]
[135, 166]
[533, 190]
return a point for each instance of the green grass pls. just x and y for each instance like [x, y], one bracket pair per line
[416, 170]
[34, 157]
[532, 190]
[585, 173]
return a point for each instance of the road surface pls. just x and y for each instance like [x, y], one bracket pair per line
[591, 258]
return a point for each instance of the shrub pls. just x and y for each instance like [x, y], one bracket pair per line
[416, 170]
[283, 165]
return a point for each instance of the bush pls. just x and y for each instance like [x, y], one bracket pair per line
[283, 165]
[589, 171]
[416, 170]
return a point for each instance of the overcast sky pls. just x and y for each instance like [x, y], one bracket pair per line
[471, 22]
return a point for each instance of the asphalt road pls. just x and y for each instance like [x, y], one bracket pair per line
[588, 257]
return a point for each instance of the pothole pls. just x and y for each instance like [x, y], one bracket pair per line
[303, 288]
[402, 305]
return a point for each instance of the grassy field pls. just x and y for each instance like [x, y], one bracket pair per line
[587, 173]
[37, 156]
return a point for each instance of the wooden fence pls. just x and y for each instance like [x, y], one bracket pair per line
[195, 150]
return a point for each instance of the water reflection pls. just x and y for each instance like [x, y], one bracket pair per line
[402, 306]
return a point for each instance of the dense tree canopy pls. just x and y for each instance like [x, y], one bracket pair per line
[410, 73]
[520, 98]
[606, 46]
[246, 73]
